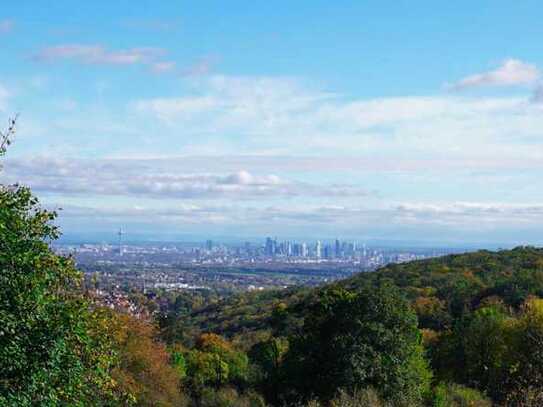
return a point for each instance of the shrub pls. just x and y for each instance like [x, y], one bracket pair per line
[454, 395]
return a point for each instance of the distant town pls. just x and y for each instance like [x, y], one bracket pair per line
[211, 265]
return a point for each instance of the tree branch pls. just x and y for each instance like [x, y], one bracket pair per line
[6, 137]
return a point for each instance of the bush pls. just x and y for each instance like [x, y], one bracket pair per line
[229, 397]
[366, 398]
[454, 395]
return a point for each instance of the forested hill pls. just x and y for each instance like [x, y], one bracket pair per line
[479, 317]
[439, 289]
[444, 288]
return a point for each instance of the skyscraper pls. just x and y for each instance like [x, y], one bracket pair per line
[271, 247]
[268, 250]
[318, 249]
[304, 250]
[209, 245]
[327, 252]
[120, 233]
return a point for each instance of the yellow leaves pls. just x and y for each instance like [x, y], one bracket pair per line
[534, 306]
[428, 305]
[539, 264]
[429, 337]
[532, 314]
[212, 342]
[144, 371]
[443, 269]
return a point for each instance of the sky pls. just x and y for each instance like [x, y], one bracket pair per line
[407, 121]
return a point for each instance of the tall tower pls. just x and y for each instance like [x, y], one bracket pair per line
[268, 250]
[209, 245]
[318, 249]
[338, 248]
[289, 249]
[304, 250]
[120, 233]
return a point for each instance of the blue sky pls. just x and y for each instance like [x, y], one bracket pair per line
[407, 121]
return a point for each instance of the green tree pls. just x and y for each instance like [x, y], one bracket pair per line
[354, 340]
[53, 350]
[48, 352]
[214, 362]
[268, 357]
[484, 339]
[454, 395]
[526, 358]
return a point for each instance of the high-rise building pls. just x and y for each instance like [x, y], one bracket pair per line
[268, 250]
[209, 245]
[327, 252]
[304, 252]
[271, 247]
[338, 249]
[120, 233]
[318, 249]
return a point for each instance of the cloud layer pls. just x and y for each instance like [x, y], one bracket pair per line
[464, 221]
[267, 152]
[512, 72]
[97, 54]
[282, 116]
[124, 178]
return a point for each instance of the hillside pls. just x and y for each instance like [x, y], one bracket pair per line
[439, 289]
[479, 317]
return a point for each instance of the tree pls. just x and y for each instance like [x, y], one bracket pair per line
[48, 354]
[146, 370]
[355, 340]
[485, 346]
[267, 357]
[526, 359]
[6, 137]
[215, 362]
[52, 348]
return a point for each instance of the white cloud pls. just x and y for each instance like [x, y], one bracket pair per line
[6, 26]
[97, 54]
[281, 116]
[163, 66]
[260, 141]
[537, 96]
[512, 72]
[125, 178]
[439, 222]
[202, 67]
[172, 109]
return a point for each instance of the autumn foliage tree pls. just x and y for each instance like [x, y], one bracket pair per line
[55, 348]
[48, 355]
[145, 369]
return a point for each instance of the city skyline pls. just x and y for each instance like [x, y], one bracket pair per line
[407, 123]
